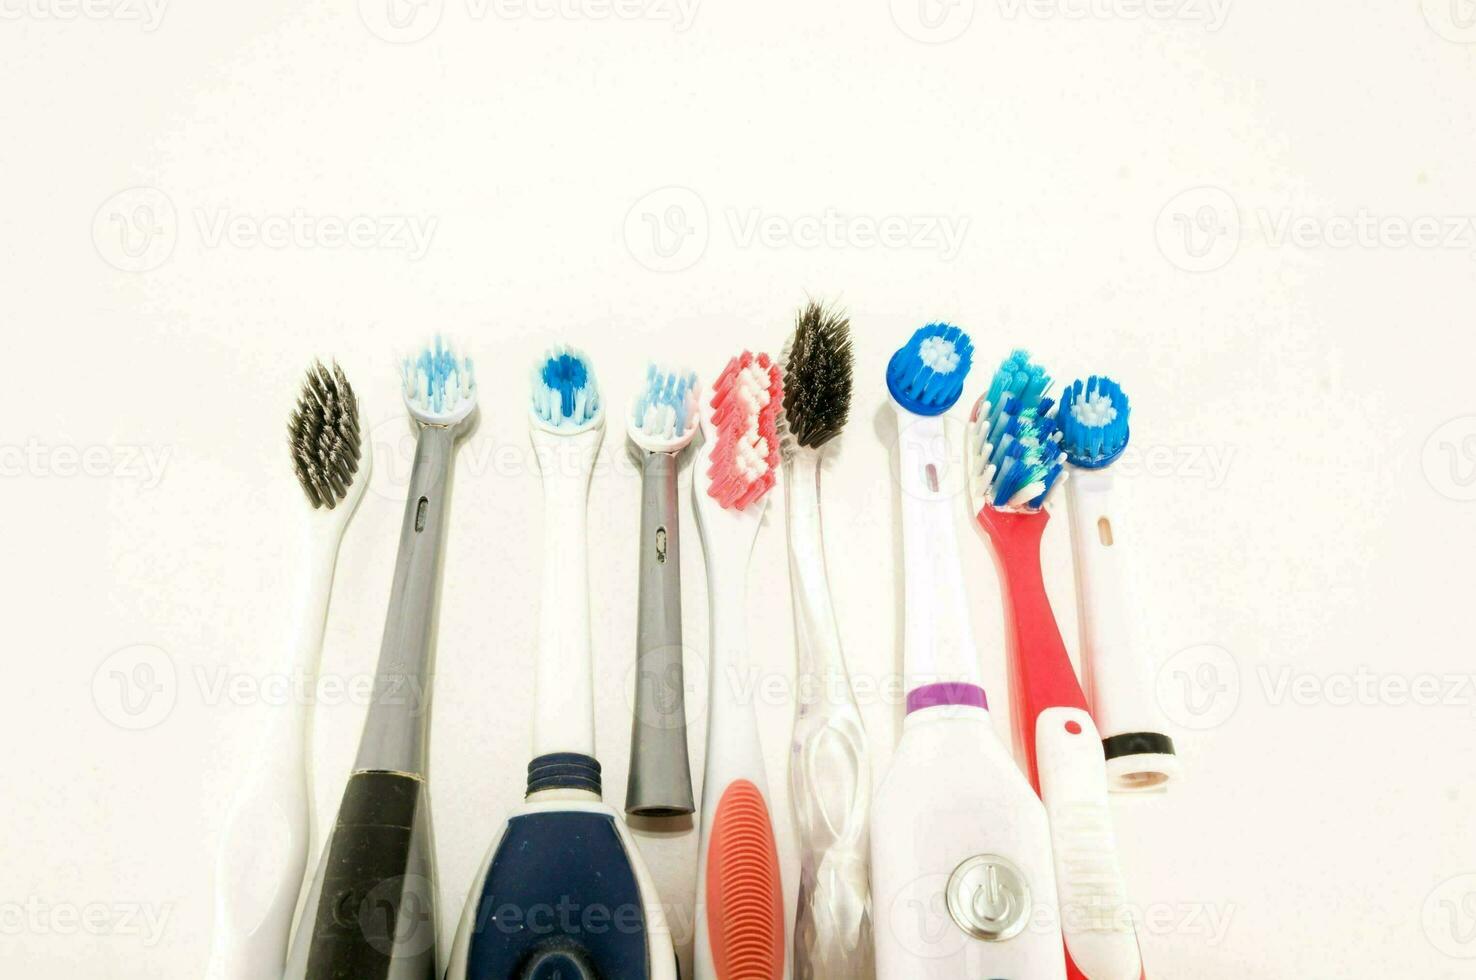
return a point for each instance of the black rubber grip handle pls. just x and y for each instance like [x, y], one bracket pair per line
[369, 903]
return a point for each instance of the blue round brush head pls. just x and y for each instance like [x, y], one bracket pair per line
[927, 375]
[1094, 422]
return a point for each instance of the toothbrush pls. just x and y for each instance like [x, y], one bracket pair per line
[263, 851]
[1094, 431]
[829, 772]
[563, 893]
[1014, 464]
[662, 422]
[960, 847]
[370, 911]
[740, 899]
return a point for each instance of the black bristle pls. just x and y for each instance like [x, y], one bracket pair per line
[323, 433]
[817, 376]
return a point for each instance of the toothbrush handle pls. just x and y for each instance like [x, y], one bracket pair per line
[263, 850]
[1065, 760]
[375, 912]
[660, 781]
[1119, 674]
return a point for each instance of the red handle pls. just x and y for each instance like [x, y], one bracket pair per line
[1041, 675]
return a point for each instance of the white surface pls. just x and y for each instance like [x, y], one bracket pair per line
[1302, 508]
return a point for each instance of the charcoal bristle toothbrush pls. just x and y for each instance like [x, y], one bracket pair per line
[564, 894]
[960, 847]
[740, 899]
[371, 910]
[263, 850]
[1120, 683]
[662, 422]
[1014, 464]
[829, 770]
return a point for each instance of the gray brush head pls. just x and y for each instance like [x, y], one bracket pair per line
[817, 376]
[324, 436]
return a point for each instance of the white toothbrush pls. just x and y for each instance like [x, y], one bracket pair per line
[960, 846]
[563, 893]
[263, 849]
[829, 770]
[740, 898]
[1119, 675]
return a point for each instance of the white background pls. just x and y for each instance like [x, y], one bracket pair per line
[1161, 193]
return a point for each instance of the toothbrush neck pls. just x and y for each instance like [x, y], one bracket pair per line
[940, 658]
[397, 728]
[563, 716]
[817, 639]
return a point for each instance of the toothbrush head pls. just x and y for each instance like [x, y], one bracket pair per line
[817, 378]
[663, 418]
[742, 425]
[926, 376]
[323, 432]
[1013, 443]
[1094, 422]
[566, 396]
[439, 387]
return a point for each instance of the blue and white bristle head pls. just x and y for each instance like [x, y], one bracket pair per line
[440, 388]
[1094, 422]
[663, 417]
[566, 397]
[1013, 442]
[927, 375]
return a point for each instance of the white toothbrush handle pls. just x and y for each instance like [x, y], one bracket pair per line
[1095, 917]
[1120, 683]
[263, 850]
[939, 638]
[563, 712]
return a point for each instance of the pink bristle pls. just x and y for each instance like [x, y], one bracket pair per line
[727, 484]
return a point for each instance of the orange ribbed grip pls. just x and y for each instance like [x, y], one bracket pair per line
[745, 901]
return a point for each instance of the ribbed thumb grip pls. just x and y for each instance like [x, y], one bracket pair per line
[745, 901]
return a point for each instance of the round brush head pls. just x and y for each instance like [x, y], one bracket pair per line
[566, 396]
[818, 363]
[663, 417]
[1094, 422]
[323, 433]
[926, 376]
[440, 388]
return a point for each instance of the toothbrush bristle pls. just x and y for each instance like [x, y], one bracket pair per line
[439, 386]
[565, 393]
[666, 410]
[323, 433]
[1014, 439]
[926, 375]
[1094, 422]
[818, 365]
[745, 402]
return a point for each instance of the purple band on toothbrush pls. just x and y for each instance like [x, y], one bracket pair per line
[934, 695]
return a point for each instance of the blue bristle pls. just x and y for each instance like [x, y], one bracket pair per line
[1089, 438]
[565, 393]
[1022, 431]
[437, 381]
[926, 376]
[665, 391]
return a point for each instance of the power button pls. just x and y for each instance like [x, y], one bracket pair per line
[988, 898]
